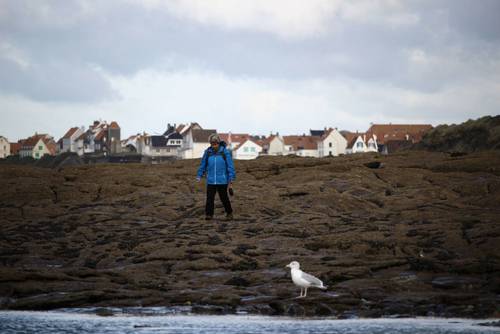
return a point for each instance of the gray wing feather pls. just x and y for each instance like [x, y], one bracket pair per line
[311, 279]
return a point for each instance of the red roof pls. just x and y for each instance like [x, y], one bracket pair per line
[350, 137]
[385, 132]
[51, 146]
[15, 147]
[301, 142]
[179, 128]
[248, 139]
[31, 141]
[234, 137]
[70, 133]
[100, 135]
[326, 134]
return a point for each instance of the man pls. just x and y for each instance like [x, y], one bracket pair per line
[218, 166]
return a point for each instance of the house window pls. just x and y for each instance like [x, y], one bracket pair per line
[330, 153]
[157, 150]
[245, 149]
[359, 145]
[37, 155]
[252, 149]
[329, 144]
[40, 147]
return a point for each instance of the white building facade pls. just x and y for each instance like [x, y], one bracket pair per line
[4, 147]
[332, 143]
[247, 150]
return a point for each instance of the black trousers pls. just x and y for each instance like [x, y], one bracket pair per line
[222, 190]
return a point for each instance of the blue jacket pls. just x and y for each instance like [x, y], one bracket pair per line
[218, 171]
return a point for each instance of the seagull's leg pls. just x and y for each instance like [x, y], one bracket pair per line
[305, 294]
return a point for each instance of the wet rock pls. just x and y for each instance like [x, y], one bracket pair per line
[104, 312]
[490, 324]
[323, 310]
[114, 235]
[373, 164]
[295, 310]
[214, 240]
[245, 265]
[456, 282]
[277, 307]
[237, 281]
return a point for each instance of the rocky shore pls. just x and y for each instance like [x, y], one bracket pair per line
[415, 233]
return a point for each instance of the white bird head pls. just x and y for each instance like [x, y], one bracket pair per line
[293, 265]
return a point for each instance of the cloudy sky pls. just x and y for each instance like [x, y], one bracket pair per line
[246, 66]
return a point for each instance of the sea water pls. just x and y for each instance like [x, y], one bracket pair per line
[78, 322]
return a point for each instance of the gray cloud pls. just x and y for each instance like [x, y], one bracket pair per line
[65, 41]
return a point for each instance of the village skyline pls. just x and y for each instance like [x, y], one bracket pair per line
[103, 140]
[158, 128]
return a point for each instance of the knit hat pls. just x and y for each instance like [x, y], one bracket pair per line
[214, 138]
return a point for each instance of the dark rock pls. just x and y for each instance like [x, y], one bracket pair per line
[418, 264]
[456, 282]
[238, 281]
[373, 164]
[104, 312]
[490, 324]
[295, 310]
[277, 307]
[214, 240]
[323, 310]
[118, 235]
[245, 265]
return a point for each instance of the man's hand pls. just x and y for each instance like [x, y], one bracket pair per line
[198, 179]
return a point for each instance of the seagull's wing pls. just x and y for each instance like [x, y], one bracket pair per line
[311, 279]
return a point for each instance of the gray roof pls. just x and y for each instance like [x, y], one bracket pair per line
[317, 133]
[201, 136]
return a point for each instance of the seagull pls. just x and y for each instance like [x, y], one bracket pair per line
[304, 280]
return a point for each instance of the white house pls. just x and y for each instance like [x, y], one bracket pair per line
[247, 150]
[371, 144]
[233, 140]
[331, 143]
[195, 142]
[37, 146]
[100, 137]
[130, 144]
[4, 147]
[275, 145]
[360, 144]
[68, 142]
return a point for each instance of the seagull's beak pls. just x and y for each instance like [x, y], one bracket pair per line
[287, 266]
